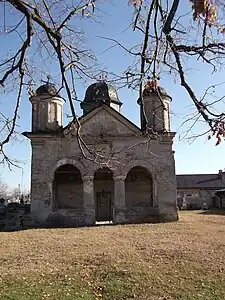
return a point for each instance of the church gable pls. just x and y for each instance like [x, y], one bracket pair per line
[104, 121]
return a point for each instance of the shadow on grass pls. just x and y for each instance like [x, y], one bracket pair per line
[220, 212]
[56, 226]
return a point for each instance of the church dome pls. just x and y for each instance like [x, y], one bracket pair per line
[47, 88]
[101, 91]
[163, 92]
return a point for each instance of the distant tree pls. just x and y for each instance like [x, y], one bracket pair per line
[16, 193]
[4, 190]
[175, 34]
[21, 198]
[43, 33]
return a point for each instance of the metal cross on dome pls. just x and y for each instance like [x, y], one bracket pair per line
[48, 80]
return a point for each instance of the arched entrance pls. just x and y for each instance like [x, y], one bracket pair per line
[104, 193]
[68, 187]
[138, 188]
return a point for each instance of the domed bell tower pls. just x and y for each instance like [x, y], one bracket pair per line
[156, 109]
[46, 109]
[100, 93]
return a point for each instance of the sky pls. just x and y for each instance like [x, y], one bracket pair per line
[201, 156]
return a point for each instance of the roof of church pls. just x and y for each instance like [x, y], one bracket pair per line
[161, 91]
[107, 107]
[101, 90]
[60, 130]
[47, 88]
[200, 181]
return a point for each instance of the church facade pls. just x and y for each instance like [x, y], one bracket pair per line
[101, 167]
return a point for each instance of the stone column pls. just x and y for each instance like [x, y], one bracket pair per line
[119, 200]
[51, 189]
[155, 190]
[88, 200]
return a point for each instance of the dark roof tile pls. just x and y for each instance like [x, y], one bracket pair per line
[200, 181]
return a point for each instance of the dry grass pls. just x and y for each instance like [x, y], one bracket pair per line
[183, 260]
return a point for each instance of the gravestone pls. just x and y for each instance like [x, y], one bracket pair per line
[18, 217]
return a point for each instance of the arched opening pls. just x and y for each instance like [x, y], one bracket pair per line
[68, 187]
[104, 193]
[138, 188]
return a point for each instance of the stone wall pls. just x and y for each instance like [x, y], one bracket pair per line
[138, 188]
[120, 150]
[66, 218]
[196, 199]
[69, 195]
[67, 188]
[18, 217]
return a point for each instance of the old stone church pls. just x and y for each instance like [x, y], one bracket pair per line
[131, 178]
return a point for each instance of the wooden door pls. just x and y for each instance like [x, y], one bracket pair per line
[103, 206]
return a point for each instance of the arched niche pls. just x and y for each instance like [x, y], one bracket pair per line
[138, 187]
[68, 187]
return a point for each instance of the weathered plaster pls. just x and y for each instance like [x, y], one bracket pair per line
[121, 148]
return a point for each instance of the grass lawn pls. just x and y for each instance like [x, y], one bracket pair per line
[182, 260]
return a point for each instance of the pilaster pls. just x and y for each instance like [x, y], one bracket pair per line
[155, 191]
[88, 199]
[119, 200]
